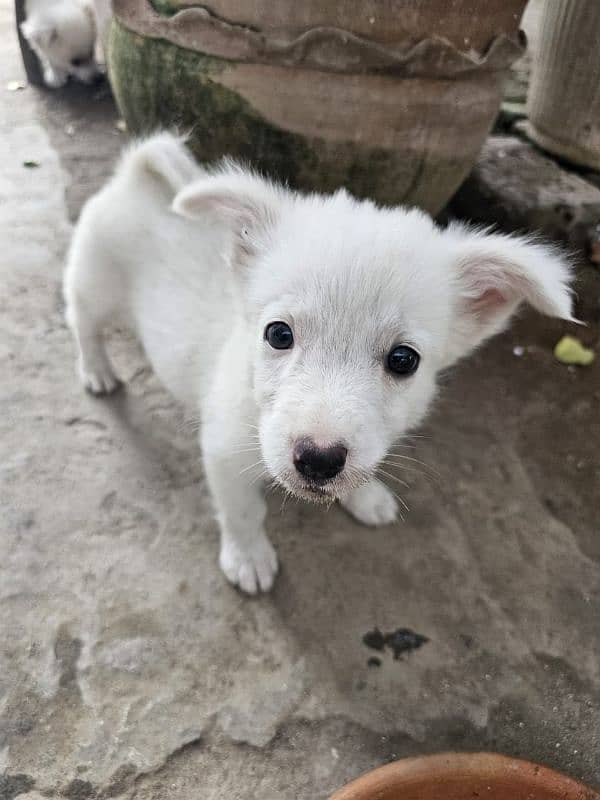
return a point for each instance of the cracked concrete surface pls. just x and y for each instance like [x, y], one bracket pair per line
[129, 668]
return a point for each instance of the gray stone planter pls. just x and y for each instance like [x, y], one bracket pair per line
[392, 105]
[564, 94]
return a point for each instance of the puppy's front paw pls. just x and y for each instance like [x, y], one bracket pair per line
[252, 566]
[372, 504]
[54, 79]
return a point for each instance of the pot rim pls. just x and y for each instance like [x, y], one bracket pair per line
[321, 48]
[482, 765]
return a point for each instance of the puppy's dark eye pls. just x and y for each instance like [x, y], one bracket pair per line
[403, 360]
[78, 62]
[279, 335]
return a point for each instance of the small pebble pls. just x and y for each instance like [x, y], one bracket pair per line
[121, 125]
[518, 351]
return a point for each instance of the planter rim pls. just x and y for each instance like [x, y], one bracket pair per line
[482, 765]
[323, 48]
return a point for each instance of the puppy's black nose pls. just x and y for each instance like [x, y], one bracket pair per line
[319, 464]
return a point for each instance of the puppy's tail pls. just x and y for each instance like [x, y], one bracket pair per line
[163, 156]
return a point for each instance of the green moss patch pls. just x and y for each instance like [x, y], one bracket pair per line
[159, 85]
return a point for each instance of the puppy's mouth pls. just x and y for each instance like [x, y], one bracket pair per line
[318, 493]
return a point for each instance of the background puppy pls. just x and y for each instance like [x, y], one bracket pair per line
[66, 36]
[306, 331]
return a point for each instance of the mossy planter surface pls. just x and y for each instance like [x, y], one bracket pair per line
[393, 139]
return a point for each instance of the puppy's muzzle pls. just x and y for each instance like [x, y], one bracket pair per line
[319, 464]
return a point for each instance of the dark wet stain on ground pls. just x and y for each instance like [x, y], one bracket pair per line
[400, 641]
[13, 785]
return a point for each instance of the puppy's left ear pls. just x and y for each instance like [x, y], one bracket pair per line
[36, 34]
[247, 204]
[493, 275]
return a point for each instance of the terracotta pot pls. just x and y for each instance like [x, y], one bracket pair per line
[564, 94]
[390, 99]
[464, 776]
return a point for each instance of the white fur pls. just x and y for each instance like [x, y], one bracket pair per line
[67, 36]
[198, 263]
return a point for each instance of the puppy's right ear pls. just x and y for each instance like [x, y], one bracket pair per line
[493, 275]
[38, 34]
[245, 203]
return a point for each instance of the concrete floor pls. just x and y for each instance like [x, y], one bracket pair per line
[130, 669]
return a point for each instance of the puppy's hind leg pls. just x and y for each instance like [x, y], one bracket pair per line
[89, 308]
[95, 370]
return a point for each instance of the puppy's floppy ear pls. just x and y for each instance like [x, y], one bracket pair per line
[493, 275]
[38, 33]
[244, 202]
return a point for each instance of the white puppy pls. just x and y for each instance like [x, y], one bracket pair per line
[305, 331]
[66, 36]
